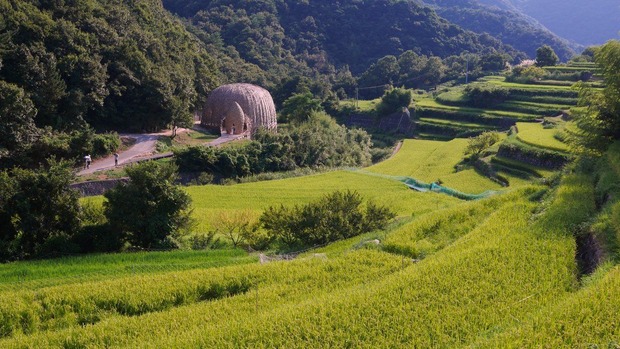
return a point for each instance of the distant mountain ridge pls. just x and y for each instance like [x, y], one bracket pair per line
[324, 33]
[503, 20]
[590, 22]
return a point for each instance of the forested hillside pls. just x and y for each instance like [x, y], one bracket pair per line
[321, 35]
[504, 22]
[114, 65]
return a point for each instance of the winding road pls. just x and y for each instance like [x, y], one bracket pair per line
[143, 149]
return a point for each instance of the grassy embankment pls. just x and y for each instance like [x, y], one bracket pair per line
[512, 261]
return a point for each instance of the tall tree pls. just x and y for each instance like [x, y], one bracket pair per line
[545, 56]
[150, 207]
[599, 124]
[35, 208]
[17, 112]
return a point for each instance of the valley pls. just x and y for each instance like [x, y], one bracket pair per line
[376, 174]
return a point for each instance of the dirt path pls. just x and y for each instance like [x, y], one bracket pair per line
[144, 148]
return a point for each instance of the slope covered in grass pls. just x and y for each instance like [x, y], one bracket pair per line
[536, 135]
[497, 274]
[209, 200]
[429, 161]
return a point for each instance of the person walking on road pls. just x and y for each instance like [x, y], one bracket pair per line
[88, 160]
[115, 159]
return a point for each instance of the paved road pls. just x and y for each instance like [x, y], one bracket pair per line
[144, 148]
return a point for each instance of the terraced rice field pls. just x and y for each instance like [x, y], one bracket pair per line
[536, 135]
[491, 282]
[209, 200]
[429, 161]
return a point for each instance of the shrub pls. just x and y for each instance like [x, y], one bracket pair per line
[106, 143]
[476, 145]
[319, 142]
[393, 101]
[485, 95]
[336, 216]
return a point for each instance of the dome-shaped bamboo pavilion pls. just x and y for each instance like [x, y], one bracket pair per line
[239, 108]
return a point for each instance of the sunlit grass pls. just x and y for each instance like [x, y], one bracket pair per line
[536, 135]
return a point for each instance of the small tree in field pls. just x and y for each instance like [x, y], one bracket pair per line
[237, 226]
[477, 145]
[150, 207]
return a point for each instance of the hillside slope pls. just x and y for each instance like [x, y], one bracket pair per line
[323, 34]
[504, 22]
[116, 65]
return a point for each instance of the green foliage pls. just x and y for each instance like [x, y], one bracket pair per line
[38, 212]
[336, 216]
[527, 75]
[105, 64]
[150, 207]
[485, 95]
[599, 122]
[299, 107]
[288, 38]
[478, 144]
[237, 226]
[505, 21]
[394, 100]
[545, 56]
[17, 112]
[319, 142]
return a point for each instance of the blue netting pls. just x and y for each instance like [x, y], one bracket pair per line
[425, 187]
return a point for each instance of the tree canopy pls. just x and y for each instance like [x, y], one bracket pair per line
[600, 122]
[150, 207]
[545, 56]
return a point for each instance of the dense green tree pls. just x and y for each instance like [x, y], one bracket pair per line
[318, 142]
[311, 37]
[545, 56]
[493, 62]
[394, 100]
[112, 65]
[411, 69]
[485, 95]
[299, 107]
[38, 211]
[150, 207]
[509, 25]
[384, 72]
[17, 113]
[599, 123]
[434, 71]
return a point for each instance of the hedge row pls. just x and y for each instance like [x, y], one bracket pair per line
[515, 150]
[502, 122]
[542, 92]
[449, 130]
